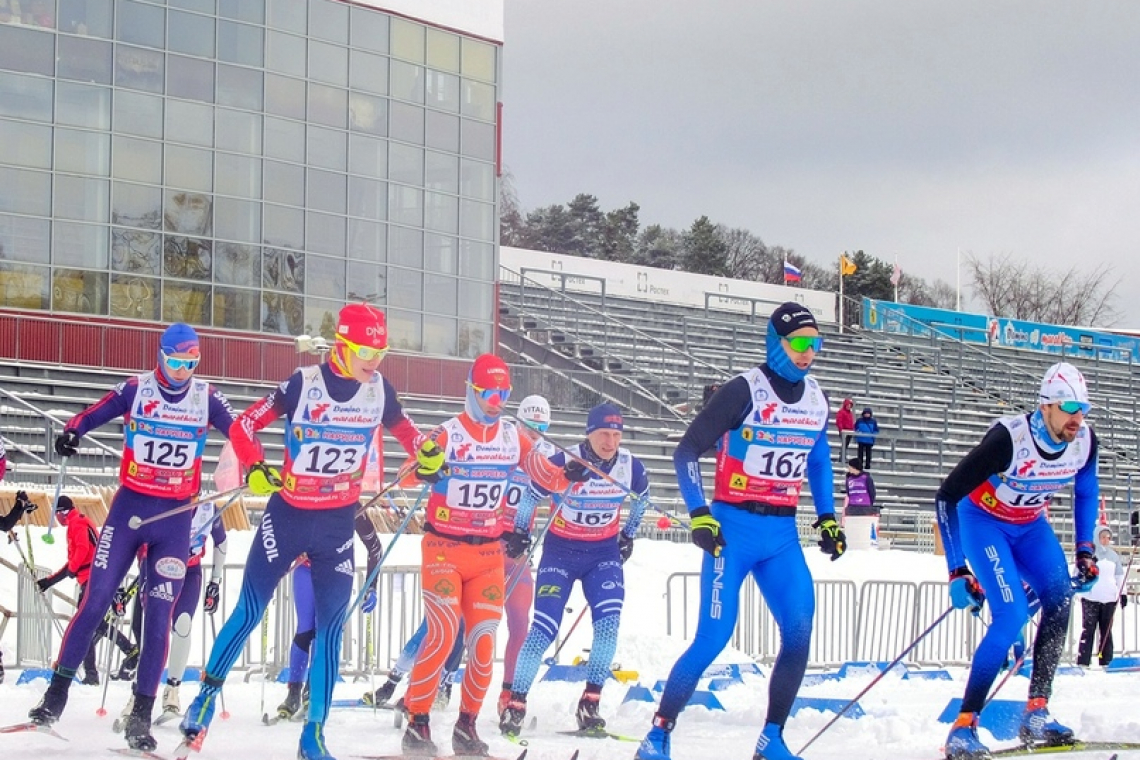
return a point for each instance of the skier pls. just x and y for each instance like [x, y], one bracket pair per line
[586, 543]
[21, 506]
[462, 570]
[769, 425]
[991, 514]
[331, 410]
[167, 413]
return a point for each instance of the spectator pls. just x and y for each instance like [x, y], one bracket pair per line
[3, 460]
[1098, 607]
[866, 429]
[845, 423]
[860, 515]
[22, 505]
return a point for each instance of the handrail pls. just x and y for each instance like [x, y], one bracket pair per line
[49, 416]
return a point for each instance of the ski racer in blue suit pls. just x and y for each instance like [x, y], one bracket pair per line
[769, 426]
[992, 516]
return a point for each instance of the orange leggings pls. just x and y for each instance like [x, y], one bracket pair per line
[458, 580]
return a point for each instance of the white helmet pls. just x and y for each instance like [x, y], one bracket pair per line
[1064, 382]
[535, 412]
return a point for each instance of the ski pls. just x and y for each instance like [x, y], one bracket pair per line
[268, 720]
[137, 753]
[188, 745]
[364, 703]
[39, 728]
[166, 717]
[1079, 746]
[521, 756]
[599, 733]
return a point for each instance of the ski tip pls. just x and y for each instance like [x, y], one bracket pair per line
[522, 755]
[574, 756]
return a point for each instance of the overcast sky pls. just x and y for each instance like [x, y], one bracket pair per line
[900, 127]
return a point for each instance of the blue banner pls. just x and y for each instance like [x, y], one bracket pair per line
[887, 316]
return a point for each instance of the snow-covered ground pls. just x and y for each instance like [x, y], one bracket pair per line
[901, 720]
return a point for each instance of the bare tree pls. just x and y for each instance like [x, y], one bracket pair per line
[747, 255]
[1016, 289]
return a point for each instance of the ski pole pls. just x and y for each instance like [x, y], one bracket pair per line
[517, 575]
[32, 573]
[553, 659]
[222, 693]
[405, 470]
[109, 635]
[387, 551]
[264, 655]
[48, 537]
[879, 677]
[137, 522]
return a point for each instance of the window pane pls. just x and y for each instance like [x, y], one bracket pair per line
[476, 260]
[325, 191]
[286, 14]
[369, 29]
[404, 330]
[252, 11]
[406, 164]
[190, 78]
[25, 192]
[367, 114]
[136, 205]
[474, 339]
[189, 168]
[237, 175]
[439, 336]
[367, 198]
[478, 100]
[80, 292]
[202, 6]
[135, 297]
[368, 72]
[442, 289]
[285, 96]
[86, 200]
[283, 226]
[407, 123]
[82, 152]
[367, 156]
[406, 205]
[365, 282]
[23, 286]
[328, 20]
[284, 183]
[186, 302]
[327, 105]
[476, 300]
[406, 247]
[478, 59]
[80, 245]
[185, 257]
[325, 233]
[138, 114]
[328, 63]
[25, 97]
[326, 148]
[237, 309]
[238, 87]
[140, 24]
[84, 59]
[282, 314]
[26, 144]
[442, 172]
[27, 50]
[139, 68]
[190, 123]
[240, 43]
[443, 91]
[406, 82]
[136, 252]
[441, 212]
[24, 239]
[367, 240]
[477, 180]
[82, 105]
[405, 288]
[477, 220]
[443, 50]
[236, 219]
[238, 131]
[440, 253]
[325, 276]
[91, 18]
[407, 40]
[285, 53]
[237, 264]
[477, 140]
[191, 34]
[284, 270]
[188, 213]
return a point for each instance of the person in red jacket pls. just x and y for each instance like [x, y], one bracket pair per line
[81, 540]
[845, 424]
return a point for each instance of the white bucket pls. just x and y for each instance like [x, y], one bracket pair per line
[862, 532]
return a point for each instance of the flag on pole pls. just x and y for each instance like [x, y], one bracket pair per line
[896, 276]
[792, 273]
[846, 265]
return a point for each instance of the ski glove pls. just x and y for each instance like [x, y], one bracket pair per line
[431, 462]
[832, 539]
[369, 602]
[575, 471]
[120, 601]
[263, 480]
[1087, 572]
[965, 591]
[213, 597]
[67, 443]
[625, 547]
[518, 543]
[45, 583]
[24, 503]
[706, 531]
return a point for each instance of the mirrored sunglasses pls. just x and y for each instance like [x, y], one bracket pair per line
[175, 363]
[801, 343]
[539, 426]
[366, 353]
[487, 394]
[1072, 407]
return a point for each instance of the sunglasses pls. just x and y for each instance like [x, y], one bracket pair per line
[366, 353]
[539, 426]
[801, 343]
[1072, 407]
[490, 393]
[174, 363]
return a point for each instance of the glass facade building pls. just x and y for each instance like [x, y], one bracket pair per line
[249, 165]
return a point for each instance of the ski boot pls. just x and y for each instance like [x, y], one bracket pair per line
[90, 677]
[312, 745]
[443, 695]
[588, 717]
[1039, 730]
[655, 745]
[292, 704]
[51, 706]
[512, 717]
[465, 740]
[170, 697]
[129, 667]
[770, 745]
[381, 695]
[120, 722]
[417, 737]
[504, 697]
[201, 710]
[137, 728]
[963, 742]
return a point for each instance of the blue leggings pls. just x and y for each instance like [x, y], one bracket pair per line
[768, 547]
[306, 623]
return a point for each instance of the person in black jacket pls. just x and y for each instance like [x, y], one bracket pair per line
[22, 506]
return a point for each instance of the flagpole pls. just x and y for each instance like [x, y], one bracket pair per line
[896, 278]
[958, 269]
[841, 292]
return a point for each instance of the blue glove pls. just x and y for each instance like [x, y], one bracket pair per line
[369, 603]
[1087, 572]
[965, 591]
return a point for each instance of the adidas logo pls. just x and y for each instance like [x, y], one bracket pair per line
[345, 567]
[163, 591]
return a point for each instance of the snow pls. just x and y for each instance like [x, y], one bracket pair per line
[901, 720]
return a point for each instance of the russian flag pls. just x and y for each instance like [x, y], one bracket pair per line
[792, 273]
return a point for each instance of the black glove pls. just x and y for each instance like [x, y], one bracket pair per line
[705, 530]
[213, 596]
[45, 583]
[67, 443]
[1087, 572]
[24, 503]
[575, 471]
[518, 543]
[119, 602]
[832, 539]
[625, 547]
[1123, 601]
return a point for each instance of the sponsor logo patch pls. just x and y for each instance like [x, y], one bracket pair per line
[170, 567]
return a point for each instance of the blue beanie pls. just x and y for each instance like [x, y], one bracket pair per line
[604, 416]
[179, 338]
